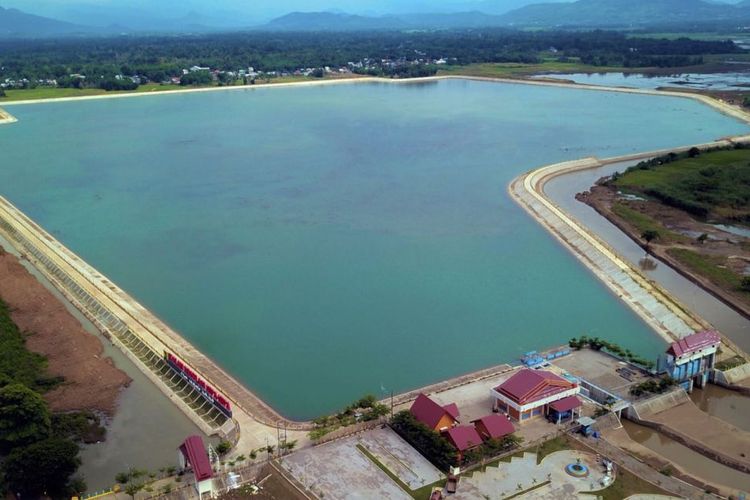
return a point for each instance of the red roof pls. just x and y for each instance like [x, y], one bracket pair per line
[527, 386]
[429, 412]
[464, 437]
[196, 457]
[566, 404]
[452, 410]
[694, 343]
[496, 426]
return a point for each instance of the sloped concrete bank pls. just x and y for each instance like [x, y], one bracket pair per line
[657, 307]
[6, 117]
[139, 334]
[676, 416]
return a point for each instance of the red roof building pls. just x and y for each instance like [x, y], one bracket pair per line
[463, 437]
[528, 393]
[494, 426]
[195, 457]
[434, 416]
[695, 343]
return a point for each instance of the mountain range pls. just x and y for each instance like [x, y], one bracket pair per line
[488, 13]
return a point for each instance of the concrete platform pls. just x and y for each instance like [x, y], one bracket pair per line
[341, 470]
[523, 473]
[602, 370]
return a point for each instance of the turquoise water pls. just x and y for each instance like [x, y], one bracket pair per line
[324, 242]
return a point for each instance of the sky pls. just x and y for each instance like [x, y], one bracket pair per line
[103, 12]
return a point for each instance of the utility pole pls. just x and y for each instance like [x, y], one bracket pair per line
[391, 404]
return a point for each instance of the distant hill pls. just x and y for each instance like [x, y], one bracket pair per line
[330, 21]
[14, 22]
[624, 13]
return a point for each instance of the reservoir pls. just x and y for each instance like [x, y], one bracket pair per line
[322, 242]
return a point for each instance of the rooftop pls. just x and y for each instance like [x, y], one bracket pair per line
[694, 343]
[429, 412]
[496, 425]
[464, 437]
[566, 404]
[526, 385]
[195, 455]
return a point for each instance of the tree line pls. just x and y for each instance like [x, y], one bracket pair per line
[38, 449]
[159, 57]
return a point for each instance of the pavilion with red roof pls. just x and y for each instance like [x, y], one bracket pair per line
[494, 426]
[528, 394]
[463, 438]
[434, 416]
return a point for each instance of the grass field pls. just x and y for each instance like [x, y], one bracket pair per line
[53, 93]
[643, 223]
[713, 268]
[714, 185]
[509, 70]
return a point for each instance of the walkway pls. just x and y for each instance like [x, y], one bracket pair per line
[643, 471]
[545, 480]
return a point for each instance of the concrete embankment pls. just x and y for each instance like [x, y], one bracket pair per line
[666, 315]
[140, 335]
[6, 117]
[677, 417]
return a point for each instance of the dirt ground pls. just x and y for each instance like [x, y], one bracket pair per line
[92, 382]
[731, 248]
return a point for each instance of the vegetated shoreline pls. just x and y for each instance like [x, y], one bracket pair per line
[91, 380]
[715, 290]
[721, 107]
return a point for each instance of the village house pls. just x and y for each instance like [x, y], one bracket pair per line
[436, 417]
[494, 426]
[463, 438]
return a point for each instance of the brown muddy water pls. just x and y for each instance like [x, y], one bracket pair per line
[692, 462]
[730, 406]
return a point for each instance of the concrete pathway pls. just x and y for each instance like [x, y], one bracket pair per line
[523, 473]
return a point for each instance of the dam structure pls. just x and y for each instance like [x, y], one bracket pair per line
[657, 307]
[221, 405]
[210, 397]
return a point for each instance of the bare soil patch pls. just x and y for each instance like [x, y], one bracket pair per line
[92, 382]
[722, 258]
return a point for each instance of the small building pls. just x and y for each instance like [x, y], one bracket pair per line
[193, 457]
[564, 409]
[464, 438]
[434, 416]
[529, 393]
[494, 426]
[690, 360]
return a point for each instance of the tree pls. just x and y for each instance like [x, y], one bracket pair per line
[223, 447]
[2, 93]
[43, 468]
[132, 489]
[24, 416]
[702, 238]
[745, 284]
[693, 152]
[650, 235]
[269, 450]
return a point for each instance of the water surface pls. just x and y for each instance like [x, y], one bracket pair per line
[323, 242]
[704, 81]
